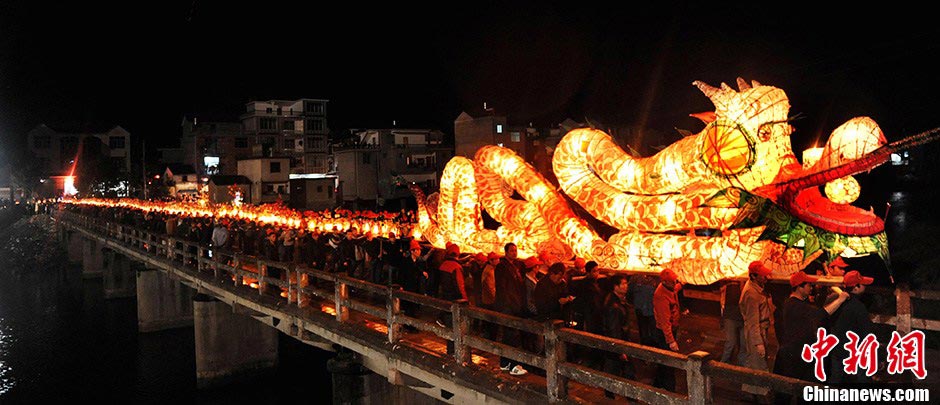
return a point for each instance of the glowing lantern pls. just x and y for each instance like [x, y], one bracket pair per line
[844, 190]
[727, 148]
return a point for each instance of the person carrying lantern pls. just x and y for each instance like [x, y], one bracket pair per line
[757, 311]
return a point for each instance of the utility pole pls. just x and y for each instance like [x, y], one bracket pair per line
[143, 166]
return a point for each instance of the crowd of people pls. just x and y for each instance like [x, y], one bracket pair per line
[544, 287]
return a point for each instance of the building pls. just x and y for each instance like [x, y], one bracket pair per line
[313, 191]
[379, 164]
[269, 177]
[210, 147]
[57, 150]
[181, 179]
[224, 189]
[297, 129]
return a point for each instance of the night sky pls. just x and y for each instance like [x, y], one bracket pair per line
[144, 65]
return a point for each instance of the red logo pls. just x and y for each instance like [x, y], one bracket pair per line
[907, 353]
[862, 354]
[819, 350]
[904, 353]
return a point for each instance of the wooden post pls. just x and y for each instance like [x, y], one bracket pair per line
[292, 287]
[700, 386]
[903, 295]
[199, 262]
[262, 273]
[303, 280]
[393, 308]
[237, 273]
[555, 354]
[170, 249]
[342, 293]
[461, 326]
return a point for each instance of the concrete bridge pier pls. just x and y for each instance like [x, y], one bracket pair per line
[354, 383]
[92, 259]
[162, 303]
[120, 280]
[230, 346]
[73, 243]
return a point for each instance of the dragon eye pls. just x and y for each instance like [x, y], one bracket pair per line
[727, 148]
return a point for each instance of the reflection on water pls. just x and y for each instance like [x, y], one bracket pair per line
[6, 372]
[59, 338]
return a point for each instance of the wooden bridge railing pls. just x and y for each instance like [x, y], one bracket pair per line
[299, 284]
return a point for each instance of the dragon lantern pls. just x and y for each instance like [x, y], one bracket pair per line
[705, 206]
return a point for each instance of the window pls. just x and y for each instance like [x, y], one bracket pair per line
[313, 107]
[268, 110]
[289, 125]
[119, 163]
[314, 125]
[268, 124]
[241, 143]
[42, 142]
[268, 189]
[315, 142]
[329, 192]
[514, 136]
[185, 178]
[404, 140]
[499, 128]
[116, 142]
[275, 167]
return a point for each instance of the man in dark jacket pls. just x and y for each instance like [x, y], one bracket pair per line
[450, 287]
[798, 327]
[551, 294]
[510, 300]
[851, 316]
[616, 325]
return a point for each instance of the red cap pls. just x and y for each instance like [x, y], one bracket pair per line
[800, 278]
[757, 267]
[492, 255]
[480, 257]
[532, 262]
[414, 244]
[854, 278]
[453, 249]
[579, 263]
[668, 275]
[838, 262]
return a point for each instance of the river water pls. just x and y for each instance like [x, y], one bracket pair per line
[60, 339]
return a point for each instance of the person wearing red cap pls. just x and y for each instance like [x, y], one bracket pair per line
[837, 267]
[851, 316]
[530, 280]
[666, 315]
[510, 300]
[757, 311]
[488, 281]
[475, 273]
[798, 326]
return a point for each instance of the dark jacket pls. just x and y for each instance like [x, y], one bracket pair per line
[616, 317]
[510, 289]
[546, 297]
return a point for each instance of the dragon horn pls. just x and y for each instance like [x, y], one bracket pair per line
[755, 83]
[709, 91]
[726, 87]
[742, 85]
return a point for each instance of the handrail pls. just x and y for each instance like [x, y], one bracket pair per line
[558, 370]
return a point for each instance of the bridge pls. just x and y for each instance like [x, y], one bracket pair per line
[238, 303]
